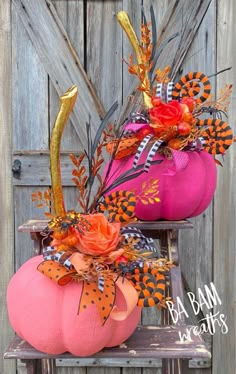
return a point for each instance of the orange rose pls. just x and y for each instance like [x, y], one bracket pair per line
[101, 238]
[165, 115]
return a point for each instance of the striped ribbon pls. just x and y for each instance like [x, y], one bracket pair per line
[140, 150]
[137, 118]
[61, 257]
[165, 92]
[151, 154]
[143, 243]
[196, 145]
[169, 90]
[160, 92]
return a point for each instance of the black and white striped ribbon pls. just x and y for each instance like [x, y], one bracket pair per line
[140, 149]
[151, 154]
[128, 133]
[61, 257]
[160, 92]
[143, 243]
[48, 250]
[101, 282]
[169, 90]
[196, 145]
[137, 118]
[165, 92]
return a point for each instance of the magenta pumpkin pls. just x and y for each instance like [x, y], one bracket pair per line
[186, 184]
[46, 315]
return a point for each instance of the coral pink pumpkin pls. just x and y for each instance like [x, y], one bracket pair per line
[186, 184]
[46, 315]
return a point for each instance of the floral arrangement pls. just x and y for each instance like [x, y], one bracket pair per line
[99, 246]
[169, 118]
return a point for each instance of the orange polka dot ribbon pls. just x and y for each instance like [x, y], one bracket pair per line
[105, 301]
[104, 298]
[56, 272]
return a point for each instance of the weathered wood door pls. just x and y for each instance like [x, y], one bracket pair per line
[52, 41]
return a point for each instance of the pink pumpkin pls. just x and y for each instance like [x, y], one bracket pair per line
[186, 184]
[46, 315]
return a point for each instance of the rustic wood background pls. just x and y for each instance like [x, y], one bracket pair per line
[45, 46]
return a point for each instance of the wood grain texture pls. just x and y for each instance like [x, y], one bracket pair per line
[103, 65]
[30, 91]
[129, 364]
[70, 370]
[104, 50]
[147, 342]
[184, 17]
[71, 15]
[35, 170]
[133, 8]
[6, 212]
[208, 252]
[24, 207]
[53, 49]
[225, 202]
[196, 246]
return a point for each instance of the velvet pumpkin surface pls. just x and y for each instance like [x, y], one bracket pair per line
[186, 184]
[46, 315]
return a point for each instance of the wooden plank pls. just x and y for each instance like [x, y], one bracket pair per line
[52, 45]
[71, 15]
[133, 8]
[30, 93]
[146, 342]
[104, 50]
[224, 205]
[37, 225]
[24, 208]
[151, 371]
[100, 370]
[111, 362]
[133, 370]
[184, 17]
[6, 214]
[196, 246]
[35, 170]
[69, 370]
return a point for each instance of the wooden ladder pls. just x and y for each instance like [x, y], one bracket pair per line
[148, 343]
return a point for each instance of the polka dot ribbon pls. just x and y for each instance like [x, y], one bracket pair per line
[91, 294]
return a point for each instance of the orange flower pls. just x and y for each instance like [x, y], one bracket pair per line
[101, 238]
[165, 115]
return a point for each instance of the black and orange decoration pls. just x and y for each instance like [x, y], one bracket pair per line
[104, 301]
[120, 206]
[94, 246]
[172, 109]
[56, 272]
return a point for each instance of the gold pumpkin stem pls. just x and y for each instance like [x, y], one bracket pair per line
[126, 25]
[67, 103]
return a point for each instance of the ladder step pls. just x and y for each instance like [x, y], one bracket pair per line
[150, 342]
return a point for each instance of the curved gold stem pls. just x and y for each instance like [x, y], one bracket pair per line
[67, 103]
[125, 23]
